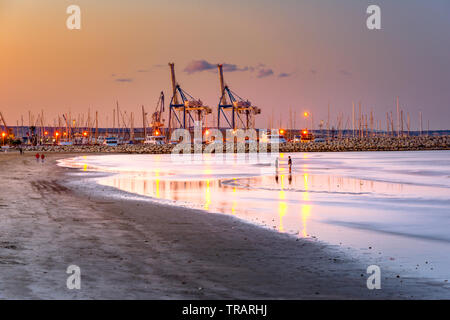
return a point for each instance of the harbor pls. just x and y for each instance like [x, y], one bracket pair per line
[338, 145]
[358, 130]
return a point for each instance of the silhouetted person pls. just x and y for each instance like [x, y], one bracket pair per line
[276, 165]
[290, 164]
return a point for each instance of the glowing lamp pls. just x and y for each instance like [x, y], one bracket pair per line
[3, 134]
[85, 134]
[207, 132]
[306, 114]
[281, 131]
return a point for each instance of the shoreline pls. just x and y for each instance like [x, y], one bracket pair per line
[134, 249]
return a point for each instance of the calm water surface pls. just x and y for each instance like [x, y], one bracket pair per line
[387, 207]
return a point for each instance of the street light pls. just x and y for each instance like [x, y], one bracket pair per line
[307, 115]
[56, 137]
[3, 136]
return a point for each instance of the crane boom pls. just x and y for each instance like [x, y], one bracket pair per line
[174, 83]
[222, 84]
[2, 119]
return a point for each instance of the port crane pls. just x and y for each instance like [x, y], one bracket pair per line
[231, 102]
[184, 109]
[157, 121]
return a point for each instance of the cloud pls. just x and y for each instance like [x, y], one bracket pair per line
[198, 66]
[262, 73]
[203, 65]
[232, 68]
[124, 80]
[261, 70]
[284, 75]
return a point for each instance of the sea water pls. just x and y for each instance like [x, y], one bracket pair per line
[389, 208]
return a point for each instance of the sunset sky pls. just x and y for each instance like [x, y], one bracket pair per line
[299, 54]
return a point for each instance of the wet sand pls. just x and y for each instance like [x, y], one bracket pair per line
[139, 250]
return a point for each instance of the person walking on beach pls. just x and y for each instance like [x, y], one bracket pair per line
[290, 164]
[37, 157]
[276, 165]
[42, 158]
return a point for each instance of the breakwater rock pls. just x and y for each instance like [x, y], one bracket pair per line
[335, 145]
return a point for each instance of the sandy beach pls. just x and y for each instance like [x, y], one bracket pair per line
[139, 250]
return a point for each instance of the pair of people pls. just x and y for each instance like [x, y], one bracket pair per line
[277, 164]
[38, 156]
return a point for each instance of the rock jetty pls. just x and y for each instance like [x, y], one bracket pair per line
[336, 145]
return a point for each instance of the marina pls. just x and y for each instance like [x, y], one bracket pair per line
[185, 110]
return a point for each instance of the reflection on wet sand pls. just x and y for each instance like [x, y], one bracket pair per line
[203, 193]
[283, 205]
[293, 204]
[351, 199]
[330, 184]
[306, 208]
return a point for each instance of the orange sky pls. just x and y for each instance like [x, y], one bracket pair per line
[322, 48]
